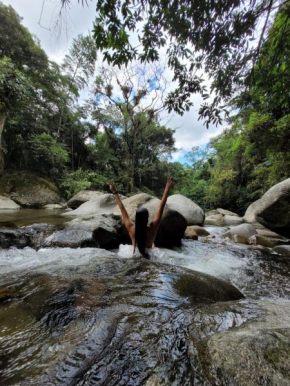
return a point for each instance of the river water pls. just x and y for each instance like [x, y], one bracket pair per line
[95, 317]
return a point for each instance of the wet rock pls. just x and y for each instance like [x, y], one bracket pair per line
[200, 231]
[82, 197]
[70, 238]
[29, 190]
[239, 239]
[283, 250]
[273, 208]
[36, 233]
[193, 214]
[13, 238]
[260, 240]
[202, 288]
[243, 230]
[106, 229]
[256, 353]
[6, 203]
[7, 224]
[214, 219]
[190, 233]
[232, 220]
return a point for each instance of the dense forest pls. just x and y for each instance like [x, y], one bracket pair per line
[117, 134]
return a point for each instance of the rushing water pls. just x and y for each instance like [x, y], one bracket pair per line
[95, 317]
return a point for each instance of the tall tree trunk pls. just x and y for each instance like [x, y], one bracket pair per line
[2, 122]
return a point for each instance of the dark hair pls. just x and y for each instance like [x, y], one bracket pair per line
[141, 221]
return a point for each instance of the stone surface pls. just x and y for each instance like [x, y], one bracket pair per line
[29, 190]
[252, 354]
[103, 203]
[200, 230]
[282, 250]
[172, 226]
[190, 233]
[7, 203]
[273, 208]
[225, 212]
[261, 240]
[106, 229]
[13, 238]
[70, 238]
[193, 214]
[36, 233]
[82, 197]
[232, 220]
[268, 233]
[243, 230]
[214, 219]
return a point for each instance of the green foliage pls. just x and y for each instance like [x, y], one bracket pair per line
[81, 179]
[210, 35]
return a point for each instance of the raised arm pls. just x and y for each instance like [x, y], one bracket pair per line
[159, 212]
[127, 221]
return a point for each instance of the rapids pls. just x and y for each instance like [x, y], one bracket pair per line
[96, 317]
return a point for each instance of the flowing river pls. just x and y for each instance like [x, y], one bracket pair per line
[95, 317]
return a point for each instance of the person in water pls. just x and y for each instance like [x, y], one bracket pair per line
[143, 235]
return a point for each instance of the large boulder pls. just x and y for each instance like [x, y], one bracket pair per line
[172, 226]
[214, 219]
[101, 204]
[232, 220]
[273, 208]
[29, 190]
[243, 231]
[193, 214]
[6, 203]
[256, 353]
[82, 197]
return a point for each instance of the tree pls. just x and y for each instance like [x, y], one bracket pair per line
[127, 107]
[198, 36]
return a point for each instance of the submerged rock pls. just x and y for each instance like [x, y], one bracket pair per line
[193, 214]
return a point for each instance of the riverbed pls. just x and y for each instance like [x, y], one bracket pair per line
[95, 317]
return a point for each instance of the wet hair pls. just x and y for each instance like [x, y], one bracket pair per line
[141, 221]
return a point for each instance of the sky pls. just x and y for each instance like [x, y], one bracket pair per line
[56, 34]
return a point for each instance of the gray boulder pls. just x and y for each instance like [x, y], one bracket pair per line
[70, 238]
[232, 220]
[102, 204]
[105, 229]
[256, 353]
[214, 219]
[273, 208]
[82, 197]
[29, 190]
[226, 212]
[172, 226]
[6, 203]
[244, 231]
[193, 214]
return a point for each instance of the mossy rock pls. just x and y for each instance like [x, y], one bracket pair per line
[29, 190]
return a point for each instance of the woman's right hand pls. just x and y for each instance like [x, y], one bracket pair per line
[112, 187]
[169, 183]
